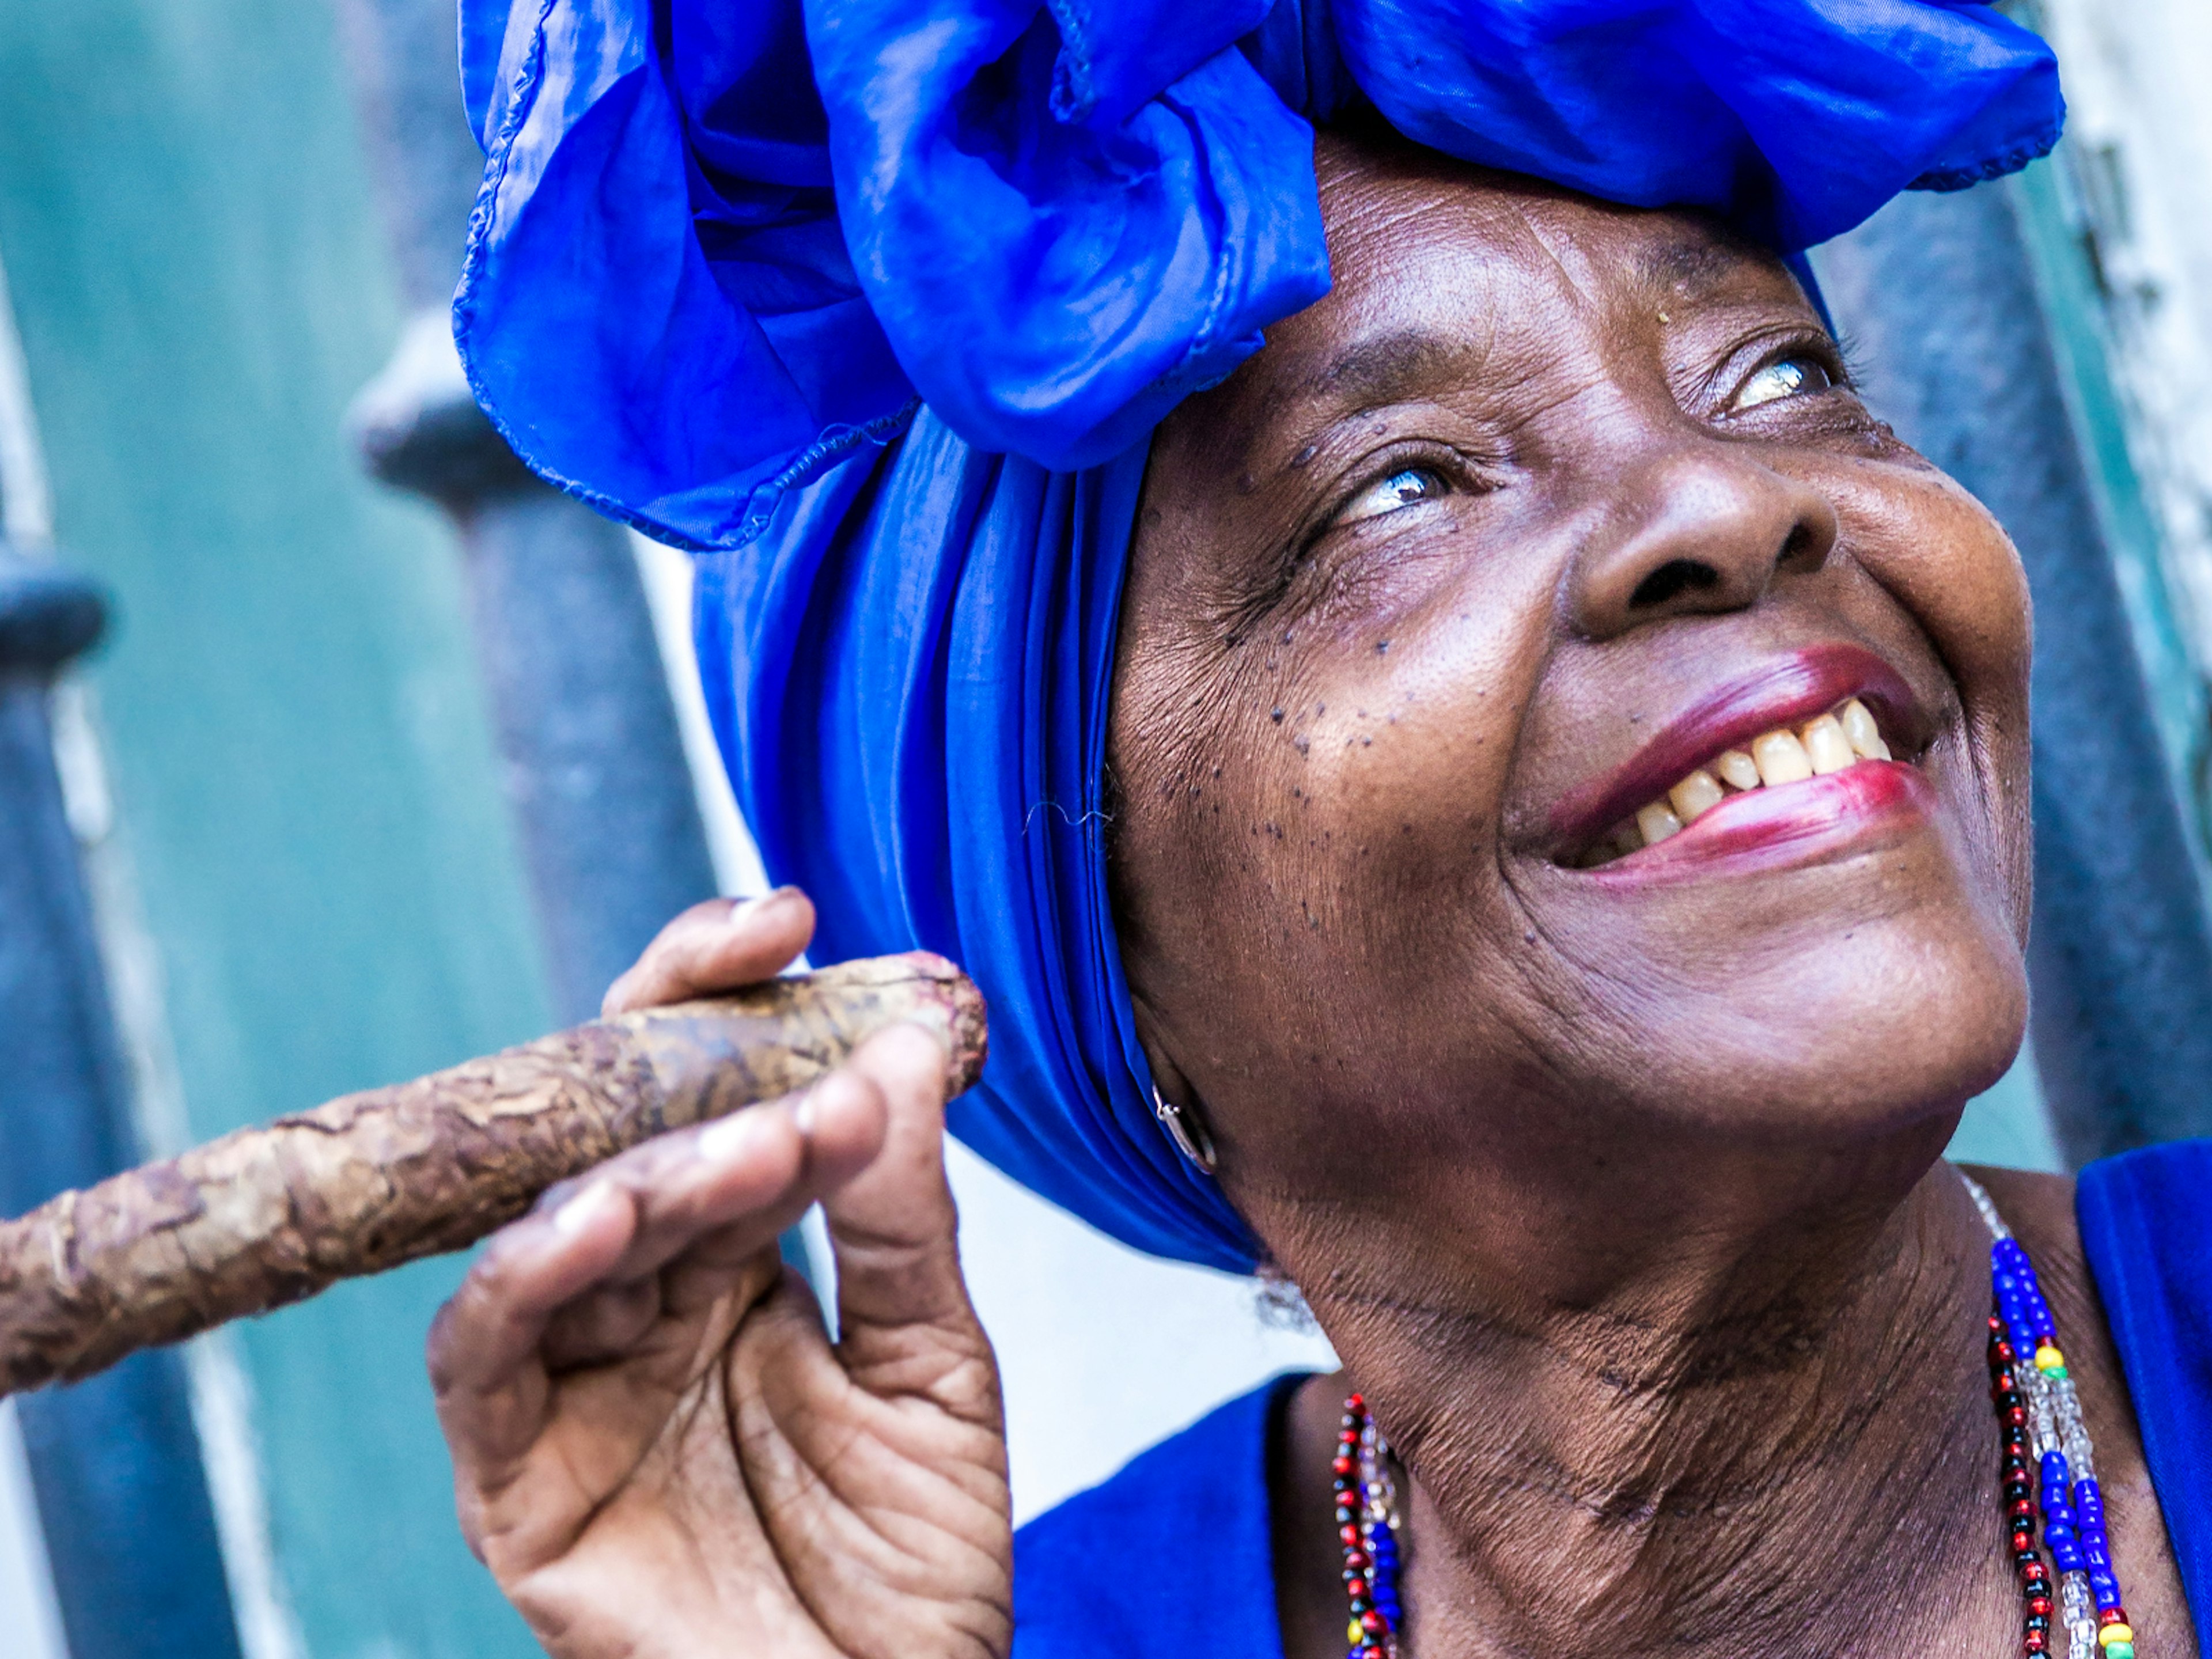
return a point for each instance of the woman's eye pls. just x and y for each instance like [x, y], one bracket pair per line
[1784, 379]
[1403, 488]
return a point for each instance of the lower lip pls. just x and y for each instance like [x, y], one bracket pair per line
[1858, 810]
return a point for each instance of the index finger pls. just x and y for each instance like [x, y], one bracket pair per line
[714, 947]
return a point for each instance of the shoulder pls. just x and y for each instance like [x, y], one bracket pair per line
[1174, 1550]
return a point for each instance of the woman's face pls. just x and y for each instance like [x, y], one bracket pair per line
[1493, 565]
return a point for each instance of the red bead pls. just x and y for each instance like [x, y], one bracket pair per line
[1356, 1560]
[2112, 1616]
[2022, 1541]
[1372, 1622]
[1355, 1405]
[1342, 1466]
[1349, 1534]
[2016, 1416]
[2033, 1573]
[2040, 1604]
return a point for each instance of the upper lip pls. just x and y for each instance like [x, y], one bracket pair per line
[1784, 690]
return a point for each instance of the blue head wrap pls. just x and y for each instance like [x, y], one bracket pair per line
[873, 304]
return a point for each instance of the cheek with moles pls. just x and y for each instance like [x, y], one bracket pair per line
[1550, 709]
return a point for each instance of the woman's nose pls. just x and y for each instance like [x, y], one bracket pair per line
[1697, 532]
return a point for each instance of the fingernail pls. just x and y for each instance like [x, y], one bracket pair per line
[727, 1140]
[580, 1212]
[745, 909]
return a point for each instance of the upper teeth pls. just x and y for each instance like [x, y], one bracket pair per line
[1827, 743]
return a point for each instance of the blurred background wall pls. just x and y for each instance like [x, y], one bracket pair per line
[367, 777]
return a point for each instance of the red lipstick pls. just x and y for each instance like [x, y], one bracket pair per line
[1781, 693]
[1798, 822]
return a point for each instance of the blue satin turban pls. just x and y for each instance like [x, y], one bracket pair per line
[873, 304]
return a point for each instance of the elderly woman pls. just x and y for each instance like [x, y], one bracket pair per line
[1505, 805]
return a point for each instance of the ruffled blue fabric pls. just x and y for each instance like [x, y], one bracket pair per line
[720, 243]
[874, 304]
[935, 777]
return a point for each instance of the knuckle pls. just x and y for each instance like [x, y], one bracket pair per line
[439, 1355]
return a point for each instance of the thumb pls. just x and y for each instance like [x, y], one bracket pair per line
[903, 1304]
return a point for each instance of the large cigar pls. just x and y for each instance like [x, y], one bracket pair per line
[268, 1216]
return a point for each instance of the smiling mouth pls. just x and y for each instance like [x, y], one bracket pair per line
[1802, 755]
[1844, 737]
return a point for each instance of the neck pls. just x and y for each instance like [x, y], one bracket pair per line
[1744, 1425]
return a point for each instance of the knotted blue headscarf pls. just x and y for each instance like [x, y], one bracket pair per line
[873, 305]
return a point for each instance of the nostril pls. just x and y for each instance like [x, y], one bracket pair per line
[1803, 546]
[1671, 579]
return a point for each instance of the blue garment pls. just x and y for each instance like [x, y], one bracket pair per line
[874, 304]
[2146, 1219]
[1088, 1584]
[1174, 1554]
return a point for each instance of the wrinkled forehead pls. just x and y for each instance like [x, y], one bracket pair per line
[1447, 274]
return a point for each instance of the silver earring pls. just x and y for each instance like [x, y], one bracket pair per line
[1186, 1129]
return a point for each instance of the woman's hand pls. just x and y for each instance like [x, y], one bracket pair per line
[657, 1449]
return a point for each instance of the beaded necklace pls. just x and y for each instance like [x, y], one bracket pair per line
[2040, 1431]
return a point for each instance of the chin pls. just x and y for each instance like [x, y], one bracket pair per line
[1866, 1028]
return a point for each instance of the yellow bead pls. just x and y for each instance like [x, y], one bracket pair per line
[1354, 1634]
[2048, 1358]
[2112, 1634]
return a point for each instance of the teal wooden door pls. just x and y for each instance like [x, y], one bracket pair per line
[305, 791]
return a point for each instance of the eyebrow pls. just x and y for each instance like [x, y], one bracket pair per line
[1377, 371]
[1689, 262]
